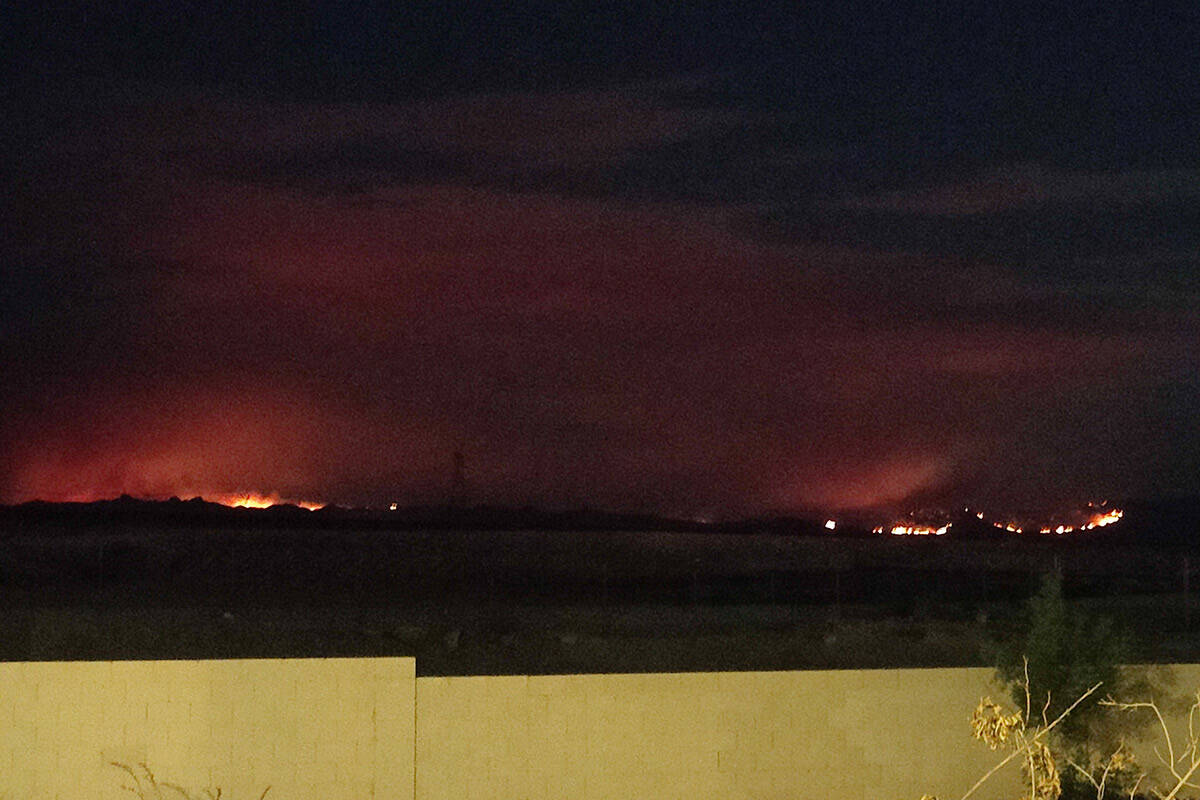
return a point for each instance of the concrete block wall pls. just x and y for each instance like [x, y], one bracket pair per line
[819, 734]
[368, 728]
[308, 728]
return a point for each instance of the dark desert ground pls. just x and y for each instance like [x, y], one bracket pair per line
[108, 581]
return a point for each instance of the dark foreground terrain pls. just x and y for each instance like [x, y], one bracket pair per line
[535, 601]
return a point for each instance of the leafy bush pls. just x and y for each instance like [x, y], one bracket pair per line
[1053, 662]
[1065, 730]
[1061, 654]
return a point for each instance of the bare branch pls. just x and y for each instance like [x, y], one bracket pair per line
[1108, 765]
[1161, 723]
[1035, 738]
[1025, 666]
[1183, 782]
[1085, 774]
[1033, 792]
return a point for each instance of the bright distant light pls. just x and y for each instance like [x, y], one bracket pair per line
[830, 524]
[393, 507]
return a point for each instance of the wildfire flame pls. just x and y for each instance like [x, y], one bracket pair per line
[1097, 519]
[256, 500]
[916, 530]
[1100, 520]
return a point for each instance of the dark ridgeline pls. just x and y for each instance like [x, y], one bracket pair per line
[453, 515]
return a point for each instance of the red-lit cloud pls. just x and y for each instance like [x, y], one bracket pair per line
[265, 313]
[215, 441]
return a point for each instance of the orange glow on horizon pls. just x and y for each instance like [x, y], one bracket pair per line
[228, 499]
[256, 500]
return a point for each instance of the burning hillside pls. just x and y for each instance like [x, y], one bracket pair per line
[926, 523]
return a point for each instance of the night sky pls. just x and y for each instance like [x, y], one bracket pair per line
[634, 257]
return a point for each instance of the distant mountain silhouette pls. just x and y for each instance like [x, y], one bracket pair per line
[131, 511]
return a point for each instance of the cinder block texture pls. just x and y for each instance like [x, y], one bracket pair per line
[795, 735]
[307, 728]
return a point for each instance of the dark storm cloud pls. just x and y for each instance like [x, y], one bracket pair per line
[354, 166]
[513, 141]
